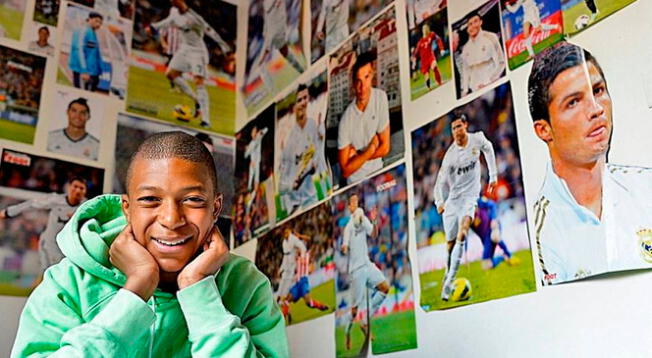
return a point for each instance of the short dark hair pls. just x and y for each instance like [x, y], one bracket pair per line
[473, 14]
[77, 178]
[175, 144]
[363, 59]
[547, 66]
[459, 116]
[94, 14]
[302, 87]
[44, 28]
[81, 101]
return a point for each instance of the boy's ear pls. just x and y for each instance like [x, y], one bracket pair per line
[217, 207]
[125, 206]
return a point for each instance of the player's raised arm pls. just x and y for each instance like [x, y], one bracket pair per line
[210, 32]
[490, 157]
[46, 202]
[514, 7]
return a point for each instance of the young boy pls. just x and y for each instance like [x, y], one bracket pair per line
[148, 275]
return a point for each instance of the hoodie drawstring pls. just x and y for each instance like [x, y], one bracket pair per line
[152, 328]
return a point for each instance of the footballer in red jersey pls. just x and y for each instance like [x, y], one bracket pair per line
[425, 50]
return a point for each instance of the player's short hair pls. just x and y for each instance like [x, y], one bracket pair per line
[77, 178]
[80, 101]
[94, 15]
[473, 14]
[363, 59]
[302, 87]
[176, 144]
[547, 66]
[44, 28]
[459, 116]
[205, 138]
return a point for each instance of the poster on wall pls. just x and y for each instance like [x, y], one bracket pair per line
[47, 12]
[580, 14]
[430, 56]
[21, 82]
[94, 51]
[254, 208]
[530, 26]
[133, 130]
[41, 40]
[297, 257]
[364, 87]
[38, 195]
[275, 53]
[304, 176]
[76, 125]
[470, 214]
[182, 67]
[585, 199]
[12, 13]
[375, 298]
[476, 40]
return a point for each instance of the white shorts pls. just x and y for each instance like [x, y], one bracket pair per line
[533, 17]
[284, 285]
[189, 60]
[454, 212]
[363, 278]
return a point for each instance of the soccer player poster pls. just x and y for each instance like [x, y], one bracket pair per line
[133, 130]
[364, 130]
[470, 214]
[254, 210]
[94, 51]
[11, 18]
[580, 14]
[304, 176]
[476, 40]
[530, 26]
[46, 11]
[38, 196]
[297, 257]
[375, 299]
[430, 57]
[182, 67]
[19, 110]
[76, 125]
[275, 53]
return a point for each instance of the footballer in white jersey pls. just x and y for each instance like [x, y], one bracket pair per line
[291, 245]
[332, 24]
[364, 274]
[457, 190]
[61, 207]
[253, 152]
[531, 21]
[74, 140]
[192, 55]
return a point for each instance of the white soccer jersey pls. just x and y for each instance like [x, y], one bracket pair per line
[574, 243]
[355, 237]
[357, 128]
[192, 28]
[299, 142]
[253, 151]
[290, 247]
[275, 23]
[483, 61]
[60, 212]
[530, 11]
[333, 21]
[85, 147]
[47, 50]
[460, 170]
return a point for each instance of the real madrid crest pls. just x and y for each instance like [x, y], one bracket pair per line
[645, 244]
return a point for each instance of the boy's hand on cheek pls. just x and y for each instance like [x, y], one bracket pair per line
[215, 254]
[130, 257]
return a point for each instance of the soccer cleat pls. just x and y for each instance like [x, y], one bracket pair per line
[445, 293]
[205, 125]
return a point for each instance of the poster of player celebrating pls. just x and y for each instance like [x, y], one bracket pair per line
[254, 209]
[304, 176]
[375, 299]
[297, 257]
[182, 67]
[364, 129]
[275, 54]
[470, 214]
[38, 196]
[430, 60]
[529, 26]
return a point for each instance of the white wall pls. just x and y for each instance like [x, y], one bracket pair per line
[600, 317]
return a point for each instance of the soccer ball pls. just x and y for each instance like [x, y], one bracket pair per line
[582, 21]
[461, 290]
[182, 112]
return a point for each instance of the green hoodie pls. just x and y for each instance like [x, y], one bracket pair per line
[80, 310]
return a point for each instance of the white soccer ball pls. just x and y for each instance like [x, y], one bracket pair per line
[582, 21]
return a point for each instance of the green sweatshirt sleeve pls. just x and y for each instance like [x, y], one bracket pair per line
[52, 325]
[216, 332]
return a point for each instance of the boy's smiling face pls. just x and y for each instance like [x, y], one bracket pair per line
[172, 207]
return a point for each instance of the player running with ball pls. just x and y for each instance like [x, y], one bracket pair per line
[460, 178]
[531, 21]
[192, 55]
[364, 274]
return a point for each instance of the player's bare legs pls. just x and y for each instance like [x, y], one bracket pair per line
[456, 256]
[528, 33]
[201, 103]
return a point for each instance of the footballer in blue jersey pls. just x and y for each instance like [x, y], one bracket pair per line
[485, 224]
[85, 59]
